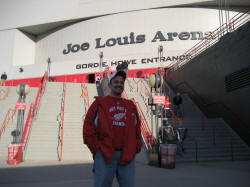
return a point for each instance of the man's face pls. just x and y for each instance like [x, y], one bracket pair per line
[117, 86]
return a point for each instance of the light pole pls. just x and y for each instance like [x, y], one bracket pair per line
[22, 90]
[155, 83]
[101, 59]
[48, 68]
[160, 54]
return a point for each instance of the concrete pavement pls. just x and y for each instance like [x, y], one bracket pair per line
[77, 174]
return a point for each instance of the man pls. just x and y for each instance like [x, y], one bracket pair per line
[177, 101]
[167, 133]
[97, 79]
[112, 132]
[181, 136]
[3, 79]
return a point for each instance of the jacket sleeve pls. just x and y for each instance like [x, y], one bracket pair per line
[90, 130]
[138, 132]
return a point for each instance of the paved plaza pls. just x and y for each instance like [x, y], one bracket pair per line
[77, 174]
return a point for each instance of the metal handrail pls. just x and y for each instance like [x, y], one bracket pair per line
[228, 140]
[135, 82]
[235, 22]
[10, 113]
[23, 143]
[205, 118]
[5, 93]
[40, 93]
[203, 103]
[147, 92]
[85, 95]
[146, 132]
[196, 146]
[28, 126]
[60, 119]
[170, 91]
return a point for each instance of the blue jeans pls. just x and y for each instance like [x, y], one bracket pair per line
[179, 147]
[105, 172]
[177, 111]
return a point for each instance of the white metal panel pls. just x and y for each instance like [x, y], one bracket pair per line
[24, 50]
[6, 50]
[29, 71]
[20, 13]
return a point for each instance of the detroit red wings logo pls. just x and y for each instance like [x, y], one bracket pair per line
[119, 116]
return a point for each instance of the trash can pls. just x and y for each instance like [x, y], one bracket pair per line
[13, 159]
[168, 155]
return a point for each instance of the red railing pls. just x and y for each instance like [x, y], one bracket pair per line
[203, 103]
[64, 94]
[140, 86]
[237, 21]
[196, 146]
[145, 130]
[27, 126]
[146, 91]
[174, 119]
[228, 140]
[40, 93]
[60, 119]
[24, 138]
[4, 93]
[10, 114]
[85, 94]
[205, 119]
[134, 82]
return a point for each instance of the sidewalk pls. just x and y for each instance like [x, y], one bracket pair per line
[67, 174]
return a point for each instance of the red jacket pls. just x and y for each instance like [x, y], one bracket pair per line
[101, 137]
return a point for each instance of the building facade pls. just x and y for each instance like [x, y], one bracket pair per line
[73, 33]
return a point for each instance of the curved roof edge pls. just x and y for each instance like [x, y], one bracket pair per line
[79, 10]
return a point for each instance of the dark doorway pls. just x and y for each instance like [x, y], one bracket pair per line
[91, 78]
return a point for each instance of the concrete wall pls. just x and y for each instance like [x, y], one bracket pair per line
[7, 39]
[17, 50]
[205, 74]
[24, 50]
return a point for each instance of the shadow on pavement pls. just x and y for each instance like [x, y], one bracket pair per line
[207, 174]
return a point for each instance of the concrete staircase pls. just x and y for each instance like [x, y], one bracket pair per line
[43, 141]
[73, 147]
[142, 100]
[143, 156]
[201, 130]
[10, 102]
[92, 91]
